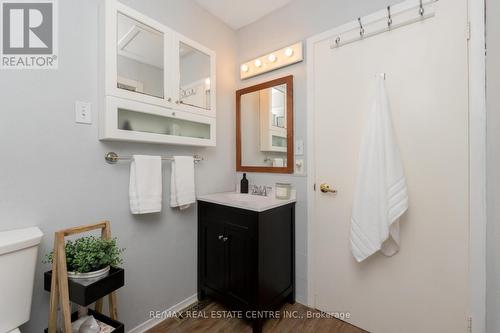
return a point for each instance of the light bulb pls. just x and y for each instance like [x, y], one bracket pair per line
[258, 63]
[271, 58]
[244, 68]
[288, 52]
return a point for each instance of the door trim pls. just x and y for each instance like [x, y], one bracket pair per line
[477, 162]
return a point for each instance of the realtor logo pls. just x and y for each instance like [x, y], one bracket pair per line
[29, 33]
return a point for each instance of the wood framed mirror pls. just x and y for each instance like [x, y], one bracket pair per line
[264, 127]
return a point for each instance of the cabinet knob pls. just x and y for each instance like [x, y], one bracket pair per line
[169, 99]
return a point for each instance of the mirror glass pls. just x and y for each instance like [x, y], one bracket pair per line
[139, 57]
[195, 82]
[263, 126]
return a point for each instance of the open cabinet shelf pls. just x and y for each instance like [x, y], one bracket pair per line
[118, 326]
[85, 293]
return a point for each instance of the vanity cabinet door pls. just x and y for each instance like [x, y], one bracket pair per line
[213, 254]
[240, 267]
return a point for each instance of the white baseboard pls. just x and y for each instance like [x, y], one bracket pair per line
[155, 321]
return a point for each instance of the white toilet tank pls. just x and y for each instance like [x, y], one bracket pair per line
[18, 256]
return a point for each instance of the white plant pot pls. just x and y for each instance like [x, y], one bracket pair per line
[89, 275]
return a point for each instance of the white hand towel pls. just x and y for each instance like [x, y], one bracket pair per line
[145, 189]
[381, 195]
[182, 192]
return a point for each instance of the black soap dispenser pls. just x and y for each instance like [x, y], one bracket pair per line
[244, 184]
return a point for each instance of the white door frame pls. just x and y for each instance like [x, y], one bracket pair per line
[477, 162]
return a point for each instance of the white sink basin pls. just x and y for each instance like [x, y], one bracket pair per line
[245, 201]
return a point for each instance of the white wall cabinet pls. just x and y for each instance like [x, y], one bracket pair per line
[159, 86]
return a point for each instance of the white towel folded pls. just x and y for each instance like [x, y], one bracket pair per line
[381, 195]
[145, 189]
[182, 192]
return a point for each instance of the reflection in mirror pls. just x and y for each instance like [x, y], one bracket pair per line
[140, 57]
[263, 126]
[194, 77]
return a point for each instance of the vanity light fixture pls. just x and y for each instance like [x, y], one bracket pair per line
[279, 58]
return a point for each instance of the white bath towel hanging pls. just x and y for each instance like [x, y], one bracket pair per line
[182, 191]
[145, 189]
[381, 195]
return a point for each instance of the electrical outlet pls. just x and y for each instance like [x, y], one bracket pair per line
[83, 112]
[299, 167]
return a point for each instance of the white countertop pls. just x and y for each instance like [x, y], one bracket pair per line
[255, 203]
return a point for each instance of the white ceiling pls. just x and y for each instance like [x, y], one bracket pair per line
[238, 13]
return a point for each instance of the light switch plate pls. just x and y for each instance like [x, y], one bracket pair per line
[299, 147]
[83, 112]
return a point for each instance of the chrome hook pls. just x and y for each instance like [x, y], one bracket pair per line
[389, 17]
[337, 41]
[421, 10]
[361, 29]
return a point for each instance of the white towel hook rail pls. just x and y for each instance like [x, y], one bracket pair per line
[112, 158]
[397, 16]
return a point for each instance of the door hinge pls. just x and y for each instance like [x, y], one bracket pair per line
[469, 325]
[468, 31]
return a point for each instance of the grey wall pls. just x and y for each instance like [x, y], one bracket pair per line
[297, 21]
[493, 167]
[54, 175]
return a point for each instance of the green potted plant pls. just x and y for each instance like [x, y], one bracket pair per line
[90, 257]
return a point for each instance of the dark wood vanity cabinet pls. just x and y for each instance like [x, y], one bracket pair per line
[246, 259]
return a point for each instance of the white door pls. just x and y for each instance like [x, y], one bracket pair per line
[424, 287]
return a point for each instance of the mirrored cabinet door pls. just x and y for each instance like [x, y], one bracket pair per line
[140, 57]
[195, 80]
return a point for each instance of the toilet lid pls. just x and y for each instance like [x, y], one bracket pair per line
[18, 239]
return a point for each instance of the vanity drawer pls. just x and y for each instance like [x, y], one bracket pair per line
[211, 212]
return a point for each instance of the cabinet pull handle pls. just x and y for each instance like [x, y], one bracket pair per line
[225, 239]
[220, 237]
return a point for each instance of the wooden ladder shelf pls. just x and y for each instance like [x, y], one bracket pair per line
[59, 283]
